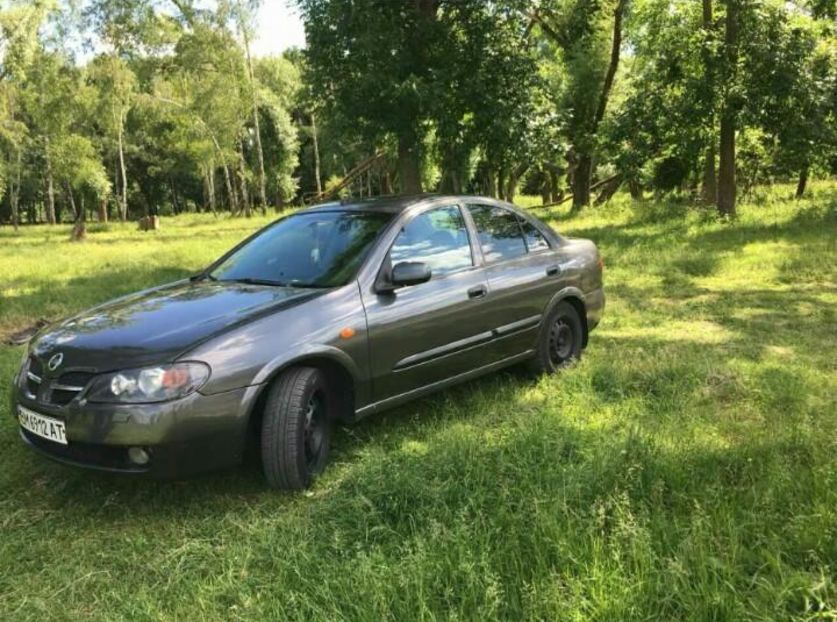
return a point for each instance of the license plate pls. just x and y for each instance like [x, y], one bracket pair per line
[45, 427]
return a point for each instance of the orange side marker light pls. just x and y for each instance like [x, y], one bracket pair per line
[347, 333]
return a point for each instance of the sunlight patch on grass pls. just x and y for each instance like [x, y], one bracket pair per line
[695, 331]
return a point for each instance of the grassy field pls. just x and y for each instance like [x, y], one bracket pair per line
[686, 469]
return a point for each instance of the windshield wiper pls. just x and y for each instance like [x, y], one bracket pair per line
[251, 281]
[200, 276]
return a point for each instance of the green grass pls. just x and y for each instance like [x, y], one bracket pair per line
[686, 469]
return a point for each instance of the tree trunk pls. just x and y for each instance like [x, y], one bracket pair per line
[231, 195]
[175, 203]
[709, 187]
[316, 143]
[613, 66]
[79, 231]
[803, 183]
[555, 193]
[260, 153]
[545, 186]
[245, 195]
[491, 179]
[210, 188]
[581, 181]
[124, 204]
[726, 166]
[501, 183]
[635, 189]
[50, 205]
[14, 192]
[409, 170]
[609, 188]
[256, 124]
[514, 177]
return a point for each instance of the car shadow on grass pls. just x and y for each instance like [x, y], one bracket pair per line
[110, 495]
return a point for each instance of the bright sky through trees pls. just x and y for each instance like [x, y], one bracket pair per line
[279, 27]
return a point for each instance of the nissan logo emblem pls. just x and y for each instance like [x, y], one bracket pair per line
[55, 361]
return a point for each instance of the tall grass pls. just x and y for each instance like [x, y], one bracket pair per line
[685, 470]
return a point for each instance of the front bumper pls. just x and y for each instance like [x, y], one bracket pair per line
[183, 437]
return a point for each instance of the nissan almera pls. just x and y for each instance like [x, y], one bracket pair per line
[330, 314]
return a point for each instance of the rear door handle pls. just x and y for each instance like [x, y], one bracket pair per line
[477, 292]
[553, 270]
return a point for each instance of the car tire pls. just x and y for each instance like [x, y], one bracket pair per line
[296, 428]
[560, 341]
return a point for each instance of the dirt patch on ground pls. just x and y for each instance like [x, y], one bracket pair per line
[22, 336]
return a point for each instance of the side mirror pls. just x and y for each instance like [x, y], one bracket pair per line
[410, 273]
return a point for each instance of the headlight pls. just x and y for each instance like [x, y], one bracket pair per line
[151, 384]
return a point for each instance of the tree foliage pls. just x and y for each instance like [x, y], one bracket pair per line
[128, 108]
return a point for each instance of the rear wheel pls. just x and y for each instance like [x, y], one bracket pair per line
[560, 340]
[296, 428]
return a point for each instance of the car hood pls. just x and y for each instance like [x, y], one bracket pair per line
[157, 325]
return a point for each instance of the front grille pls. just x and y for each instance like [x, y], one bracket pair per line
[68, 386]
[75, 379]
[104, 456]
[34, 376]
[61, 397]
[59, 392]
[35, 366]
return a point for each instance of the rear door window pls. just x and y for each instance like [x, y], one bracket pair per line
[499, 232]
[535, 241]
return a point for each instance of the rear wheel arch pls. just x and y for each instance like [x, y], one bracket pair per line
[576, 299]
[578, 304]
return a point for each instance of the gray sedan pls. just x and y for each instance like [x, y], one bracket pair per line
[330, 314]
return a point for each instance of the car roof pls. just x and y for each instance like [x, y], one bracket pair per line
[395, 204]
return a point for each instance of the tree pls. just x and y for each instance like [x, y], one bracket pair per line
[19, 24]
[116, 88]
[730, 107]
[588, 36]
[79, 168]
[373, 63]
[793, 84]
[280, 84]
[243, 14]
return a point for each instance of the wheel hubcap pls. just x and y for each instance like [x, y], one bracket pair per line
[314, 428]
[561, 341]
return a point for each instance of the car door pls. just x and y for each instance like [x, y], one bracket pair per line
[523, 274]
[425, 333]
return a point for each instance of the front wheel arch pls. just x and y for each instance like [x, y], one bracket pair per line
[337, 375]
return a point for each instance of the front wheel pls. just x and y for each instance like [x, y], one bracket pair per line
[296, 428]
[560, 341]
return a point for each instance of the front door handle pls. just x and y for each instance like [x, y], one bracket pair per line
[553, 270]
[477, 292]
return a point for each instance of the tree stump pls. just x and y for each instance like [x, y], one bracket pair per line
[79, 231]
[149, 223]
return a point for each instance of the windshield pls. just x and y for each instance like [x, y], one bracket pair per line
[309, 249]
